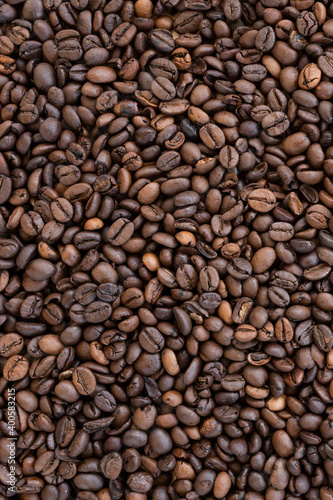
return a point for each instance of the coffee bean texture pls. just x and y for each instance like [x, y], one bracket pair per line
[166, 249]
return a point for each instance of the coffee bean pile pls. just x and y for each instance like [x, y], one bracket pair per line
[166, 249]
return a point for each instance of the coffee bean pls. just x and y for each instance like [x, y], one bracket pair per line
[212, 136]
[140, 482]
[163, 89]
[307, 23]
[318, 216]
[239, 268]
[309, 76]
[242, 310]
[97, 312]
[174, 107]
[120, 232]
[265, 39]
[160, 441]
[187, 22]
[16, 368]
[209, 278]
[323, 337]
[261, 200]
[164, 68]
[111, 465]
[46, 463]
[281, 231]
[123, 34]
[5, 188]
[325, 63]
[275, 123]
[162, 40]
[11, 344]
[254, 72]
[151, 340]
[282, 443]
[222, 485]
[84, 380]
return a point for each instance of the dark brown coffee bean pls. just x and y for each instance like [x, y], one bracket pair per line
[97, 312]
[307, 23]
[265, 39]
[151, 340]
[140, 482]
[164, 68]
[84, 380]
[233, 10]
[5, 188]
[162, 40]
[254, 72]
[212, 136]
[281, 231]
[120, 232]
[323, 337]
[65, 431]
[174, 107]
[242, 310]
[46, 463]
[16, 368]
[111, 465]
[239, 268]
[123, 34]
[262, 200]
[160, 441]
[163, 89]
[275, 123]
[325, 63]
[209, 278]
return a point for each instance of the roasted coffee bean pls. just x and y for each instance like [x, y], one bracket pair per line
[97, 312]
[5, 188]
[120, 231]
[325, 63]
[275, 123]
[16, 368]
[163, 89]
[209, 278]
[212, 136]
[84, 380]
[162, 40]
[281, 231]
[262, 200]
[309, 76]
[323, 337]
[123, 34]
[46, 463]
[10, 344]
[151, 340]
[265, 39]
[111, 465]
